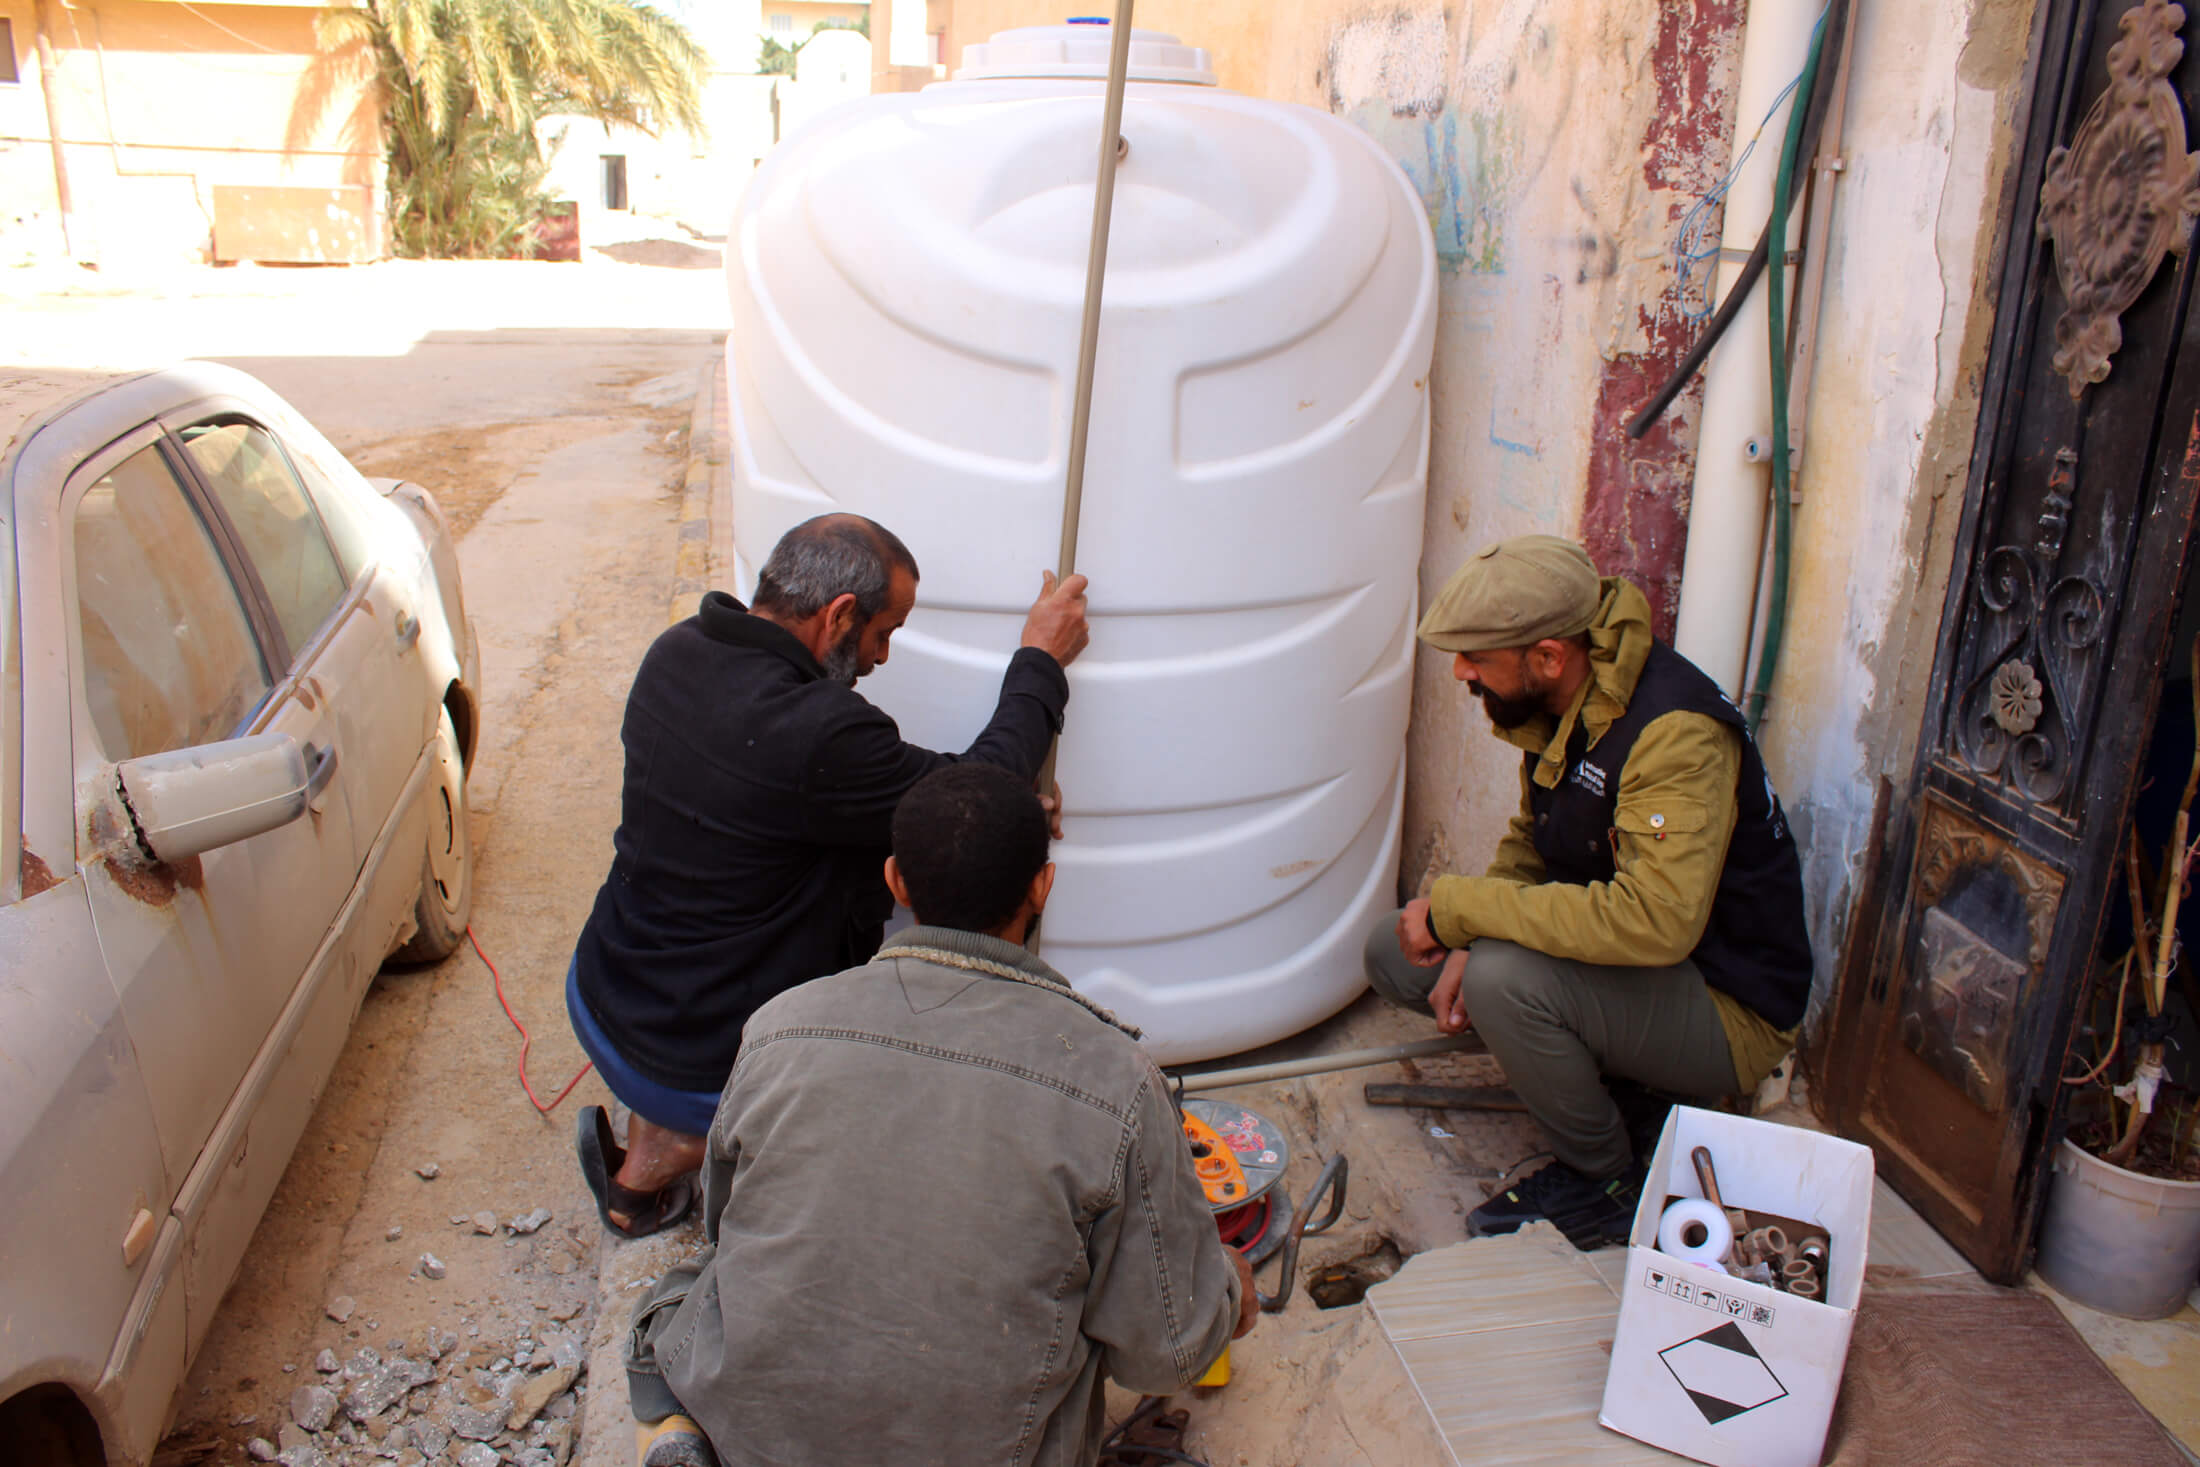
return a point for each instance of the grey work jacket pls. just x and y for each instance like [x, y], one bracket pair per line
[945, 1198]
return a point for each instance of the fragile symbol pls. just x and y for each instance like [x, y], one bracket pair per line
[1656, 1280]
[1722, 1373]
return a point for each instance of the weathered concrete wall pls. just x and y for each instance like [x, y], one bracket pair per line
[1934, 103]
[158, 104]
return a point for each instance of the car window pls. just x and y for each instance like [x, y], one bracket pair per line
[169, 656]
[272, 516]
[341, 494]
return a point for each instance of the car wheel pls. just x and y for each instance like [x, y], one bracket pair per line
[446, 897]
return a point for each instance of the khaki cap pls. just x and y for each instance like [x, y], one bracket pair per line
[1514, 594]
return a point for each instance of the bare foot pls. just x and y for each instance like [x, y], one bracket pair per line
[655, 1157]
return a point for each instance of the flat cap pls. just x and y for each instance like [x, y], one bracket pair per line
[1513, 594]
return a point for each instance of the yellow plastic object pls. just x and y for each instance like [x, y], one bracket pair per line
[1220, 1176]
[1218, 1374]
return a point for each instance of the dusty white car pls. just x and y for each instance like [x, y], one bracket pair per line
[237, 692]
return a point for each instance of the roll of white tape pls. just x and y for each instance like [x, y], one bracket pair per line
[1694, 1231]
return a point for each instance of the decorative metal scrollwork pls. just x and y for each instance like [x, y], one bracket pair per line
[2122, 195]
[2017, 718]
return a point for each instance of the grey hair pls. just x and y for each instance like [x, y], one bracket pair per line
[832, 555]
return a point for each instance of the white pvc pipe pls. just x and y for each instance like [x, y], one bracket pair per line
[1726, 515]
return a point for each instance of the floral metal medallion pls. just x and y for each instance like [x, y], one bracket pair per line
[2016, 697]
[2122, 195]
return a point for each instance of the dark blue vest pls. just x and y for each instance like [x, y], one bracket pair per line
[1755, 946]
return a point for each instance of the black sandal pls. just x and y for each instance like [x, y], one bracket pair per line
[601, 1157]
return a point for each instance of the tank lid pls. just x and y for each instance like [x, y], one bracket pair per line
[1080, 49]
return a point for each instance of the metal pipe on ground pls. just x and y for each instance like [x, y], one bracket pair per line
[1323, 1064]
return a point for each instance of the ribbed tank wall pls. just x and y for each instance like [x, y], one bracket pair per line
[906, 279]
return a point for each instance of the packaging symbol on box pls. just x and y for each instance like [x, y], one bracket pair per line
[1719, 1368]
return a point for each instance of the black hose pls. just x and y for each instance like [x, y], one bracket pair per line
[1715, 328]
[1815, 108]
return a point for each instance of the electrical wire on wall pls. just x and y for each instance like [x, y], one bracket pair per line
[1696, 242]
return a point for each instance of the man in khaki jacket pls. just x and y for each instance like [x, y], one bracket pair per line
[1643, 916]
[947, 1197]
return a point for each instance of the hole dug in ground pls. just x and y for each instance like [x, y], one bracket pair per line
[1345, 1281]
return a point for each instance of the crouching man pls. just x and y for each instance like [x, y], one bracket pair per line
[946, 1196]
[1643, 917]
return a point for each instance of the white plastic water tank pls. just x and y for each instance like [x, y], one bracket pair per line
[907, 276]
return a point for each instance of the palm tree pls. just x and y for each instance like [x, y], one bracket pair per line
[464, 82]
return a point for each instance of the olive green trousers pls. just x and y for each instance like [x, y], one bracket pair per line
[1560, 1027]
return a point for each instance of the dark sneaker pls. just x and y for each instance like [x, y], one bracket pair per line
[1589, 1212]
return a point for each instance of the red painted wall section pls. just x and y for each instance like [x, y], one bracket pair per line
[1634, 516]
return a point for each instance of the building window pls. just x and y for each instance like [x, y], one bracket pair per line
[614, 180]
[9, 76]
[782, 24]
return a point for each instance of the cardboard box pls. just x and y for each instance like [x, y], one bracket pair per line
[1716, 1368]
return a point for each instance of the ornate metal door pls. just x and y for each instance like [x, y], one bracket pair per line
[1971, 948]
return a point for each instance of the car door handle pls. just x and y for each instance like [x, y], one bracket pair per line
[408, 629]
[320, 769]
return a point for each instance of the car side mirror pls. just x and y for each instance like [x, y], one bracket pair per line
[194, 800]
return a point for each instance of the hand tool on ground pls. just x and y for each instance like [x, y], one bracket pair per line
[1445, 1097]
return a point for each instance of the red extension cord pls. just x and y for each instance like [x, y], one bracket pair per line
[526, 1041]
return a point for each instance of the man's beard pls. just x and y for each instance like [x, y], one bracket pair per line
[844, 660]
[1507, 712]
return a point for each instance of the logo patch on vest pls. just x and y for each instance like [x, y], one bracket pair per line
[1589, 776]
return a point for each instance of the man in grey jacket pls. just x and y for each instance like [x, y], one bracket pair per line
[946, 1196]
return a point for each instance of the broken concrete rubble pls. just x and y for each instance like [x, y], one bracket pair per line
[380, 1389]
[312, 1407]
[535, 1393]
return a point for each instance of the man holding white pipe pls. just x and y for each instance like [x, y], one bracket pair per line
[1643, 916]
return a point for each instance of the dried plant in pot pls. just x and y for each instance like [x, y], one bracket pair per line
[2121, 1229]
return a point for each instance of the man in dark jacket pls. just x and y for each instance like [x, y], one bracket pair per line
[1643, 916]
[760, 788]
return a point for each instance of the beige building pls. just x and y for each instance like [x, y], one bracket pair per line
[185, 131]
[790, 22]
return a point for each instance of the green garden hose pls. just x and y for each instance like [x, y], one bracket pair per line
[1783, 189]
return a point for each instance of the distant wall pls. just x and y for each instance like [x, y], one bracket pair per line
[159, 103]
[690, 179]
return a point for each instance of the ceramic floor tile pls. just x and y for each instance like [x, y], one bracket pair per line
[1489, 1284]
[1905, 1245]
[1611, 1266]
[1524, 1395]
